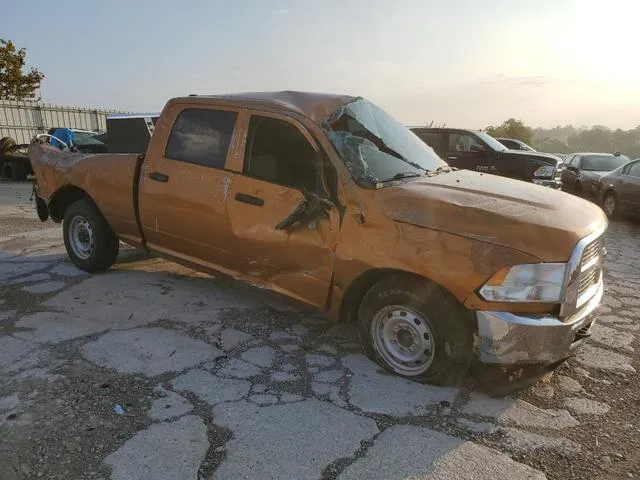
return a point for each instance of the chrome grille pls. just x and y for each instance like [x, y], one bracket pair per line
[587, 280]
[594, 249]
[584, 273]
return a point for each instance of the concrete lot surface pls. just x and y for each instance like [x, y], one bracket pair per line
[215, 380]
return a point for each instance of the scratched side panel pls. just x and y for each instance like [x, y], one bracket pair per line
[297, 261]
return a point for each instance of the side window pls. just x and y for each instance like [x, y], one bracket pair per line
[567, 160]
[278, 152]
[201, 136]
[575, 162]
[634, 170]
[434, 140]
[463, 142]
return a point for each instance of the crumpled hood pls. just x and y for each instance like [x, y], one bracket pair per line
[536, 220]
[539, 156]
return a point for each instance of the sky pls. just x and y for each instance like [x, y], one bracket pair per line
[460, 63]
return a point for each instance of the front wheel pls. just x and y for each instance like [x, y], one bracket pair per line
[610, 205]
[91, 244]
[416, 330]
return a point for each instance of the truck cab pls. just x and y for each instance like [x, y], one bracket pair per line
[478, 151]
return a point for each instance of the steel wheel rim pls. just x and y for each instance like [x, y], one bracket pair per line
[81, 237]
[404, 339]
[609, 205]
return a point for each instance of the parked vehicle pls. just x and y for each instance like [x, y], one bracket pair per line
[14, 160]
[582, 171]
[130, 133]
[476, 150]
[619, 190]
[330, 201]
[513, 144]
[85, 141]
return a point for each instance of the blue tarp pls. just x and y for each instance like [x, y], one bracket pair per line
[63, 134]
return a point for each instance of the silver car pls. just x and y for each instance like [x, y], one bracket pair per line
[619, 190]
[582, 171]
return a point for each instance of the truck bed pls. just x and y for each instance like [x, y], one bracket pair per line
[110, 180]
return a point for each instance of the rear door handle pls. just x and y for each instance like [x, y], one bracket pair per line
[250, 199]
[159, 177]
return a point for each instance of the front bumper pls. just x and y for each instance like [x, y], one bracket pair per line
[556, 184]
[506, 338]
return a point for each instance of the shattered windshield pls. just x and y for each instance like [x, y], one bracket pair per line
[375, 147]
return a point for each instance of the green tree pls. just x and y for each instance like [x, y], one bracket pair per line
[15, 84]
[512, 128]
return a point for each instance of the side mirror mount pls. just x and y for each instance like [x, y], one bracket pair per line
[310, 208]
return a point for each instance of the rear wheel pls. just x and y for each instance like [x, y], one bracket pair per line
[610, 204]
[91, 244]
[13, 170]
[416, 330]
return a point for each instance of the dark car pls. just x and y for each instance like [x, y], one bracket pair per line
[513, 144]
[476, 150]
[582, 171]
[619, 190]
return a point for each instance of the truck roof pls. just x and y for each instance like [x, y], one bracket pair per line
[315, 106]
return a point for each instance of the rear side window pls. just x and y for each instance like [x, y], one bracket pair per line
[434, 140]
[201, 136]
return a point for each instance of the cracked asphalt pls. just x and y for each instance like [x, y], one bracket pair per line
[216, 380]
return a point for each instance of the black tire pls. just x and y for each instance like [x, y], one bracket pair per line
[577, 189]
[13, 170]
[102, 244]
[449, 322]
[613, 211]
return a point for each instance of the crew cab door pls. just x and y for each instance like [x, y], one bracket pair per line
[282, 170]
[465, 150]
[182, 188]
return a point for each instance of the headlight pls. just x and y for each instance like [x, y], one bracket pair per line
[536, 282]
[544, 171]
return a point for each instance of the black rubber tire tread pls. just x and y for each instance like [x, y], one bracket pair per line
[106, 244]
[451, 322]
[13, 170]
[616, 210]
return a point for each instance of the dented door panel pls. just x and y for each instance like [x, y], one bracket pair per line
[297, 260]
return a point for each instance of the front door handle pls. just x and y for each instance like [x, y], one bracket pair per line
[159, 177]
[452, 157]
[250, 199]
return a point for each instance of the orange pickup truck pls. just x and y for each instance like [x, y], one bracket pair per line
[329, 200]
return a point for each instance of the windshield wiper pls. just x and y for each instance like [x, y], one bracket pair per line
[401, 175]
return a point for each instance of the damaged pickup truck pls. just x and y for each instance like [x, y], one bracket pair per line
[329, 200]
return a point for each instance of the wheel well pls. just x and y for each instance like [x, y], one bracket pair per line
[608, 192]
[64, 197]
[361, 285]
